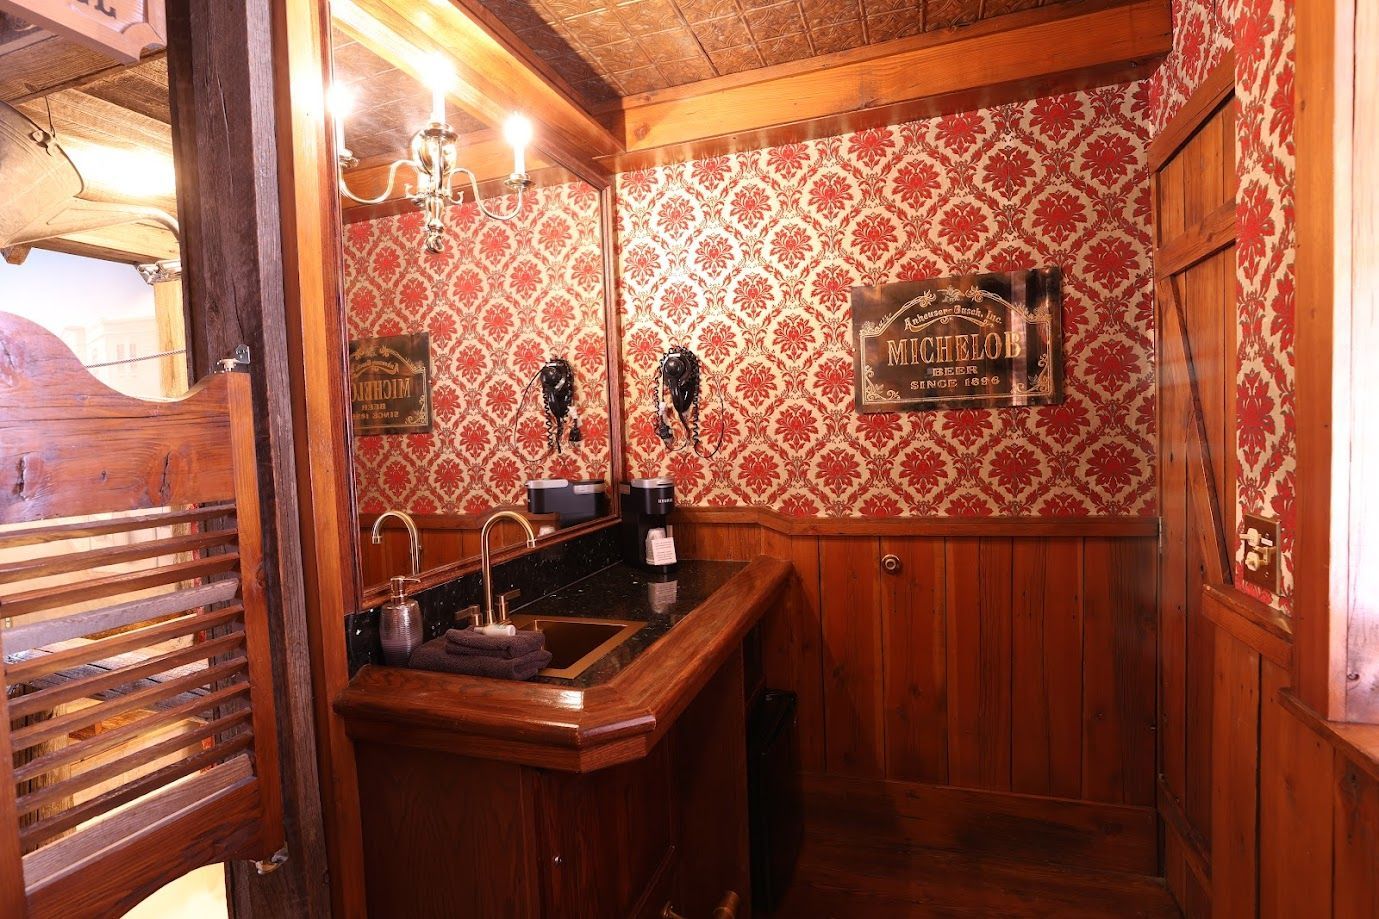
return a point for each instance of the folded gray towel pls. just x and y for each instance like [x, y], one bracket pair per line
[435, 655]
[472, 642]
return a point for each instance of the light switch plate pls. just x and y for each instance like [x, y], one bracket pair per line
[1260, 541]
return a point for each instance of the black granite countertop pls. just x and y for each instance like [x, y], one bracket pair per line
[623, 592]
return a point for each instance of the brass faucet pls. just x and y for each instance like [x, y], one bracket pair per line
[413, 539]
[486, 566]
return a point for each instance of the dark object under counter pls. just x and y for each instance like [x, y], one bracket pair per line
[624, 592]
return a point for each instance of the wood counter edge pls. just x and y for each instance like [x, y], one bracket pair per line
[560, 727]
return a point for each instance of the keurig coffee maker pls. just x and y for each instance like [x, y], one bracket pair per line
[648, 540]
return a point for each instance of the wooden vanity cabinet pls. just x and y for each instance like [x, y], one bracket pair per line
[495, 799]
[452, 835]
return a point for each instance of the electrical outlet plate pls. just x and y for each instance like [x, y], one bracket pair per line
[1260, 543]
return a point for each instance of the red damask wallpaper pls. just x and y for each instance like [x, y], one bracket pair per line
[749, 259]
[498, 301]
[1261, 32]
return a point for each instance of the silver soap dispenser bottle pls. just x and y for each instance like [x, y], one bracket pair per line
[400, 626]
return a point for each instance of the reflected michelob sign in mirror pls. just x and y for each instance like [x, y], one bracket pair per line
[963, 341]
[390, 384]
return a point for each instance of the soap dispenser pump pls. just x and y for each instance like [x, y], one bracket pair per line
[400, 627]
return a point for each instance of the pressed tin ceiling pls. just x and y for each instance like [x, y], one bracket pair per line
[606, 49]
[389, 105]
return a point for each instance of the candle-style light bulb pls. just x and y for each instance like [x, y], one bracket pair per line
[340, 102]
[517, 131]
[440, 77]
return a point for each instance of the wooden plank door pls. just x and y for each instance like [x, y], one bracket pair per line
[1194, 185]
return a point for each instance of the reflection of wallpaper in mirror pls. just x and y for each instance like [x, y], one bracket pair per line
[500, 299]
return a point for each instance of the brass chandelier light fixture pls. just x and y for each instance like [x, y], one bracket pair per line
[433, 159]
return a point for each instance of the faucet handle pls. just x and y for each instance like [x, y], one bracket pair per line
[503, 601]
[471, 615]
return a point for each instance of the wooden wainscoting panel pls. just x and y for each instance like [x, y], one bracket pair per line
[792, 642]
[1001, 663]
[1118, 653]
[732, 542]
[1356, 882]
[1235, 779]
[1046, 742]
[1297, 778]
[979, 681]
[849, 595]
[915, 660]
[975, 822]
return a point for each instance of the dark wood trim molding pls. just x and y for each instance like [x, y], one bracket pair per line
[1098, 43]
[1252, 622]
[921, 526]
[1358, 743]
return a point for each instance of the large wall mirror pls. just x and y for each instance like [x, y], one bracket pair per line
[462, 355]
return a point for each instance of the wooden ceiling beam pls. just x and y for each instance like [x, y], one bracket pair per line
[1049, 50]
[494, 80]
[134, 243]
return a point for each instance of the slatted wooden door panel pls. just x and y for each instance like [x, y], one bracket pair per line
[138, 738]
[1193, 165]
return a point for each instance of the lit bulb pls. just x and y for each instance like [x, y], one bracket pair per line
[517, 131]
[440, 77]
[340, 102]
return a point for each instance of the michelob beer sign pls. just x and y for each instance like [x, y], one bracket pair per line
[390, 384]
[965, 341]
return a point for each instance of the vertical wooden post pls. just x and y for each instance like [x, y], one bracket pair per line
[221, 76]
[172, 335]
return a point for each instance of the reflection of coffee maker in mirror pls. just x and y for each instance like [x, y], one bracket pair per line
[648, 538]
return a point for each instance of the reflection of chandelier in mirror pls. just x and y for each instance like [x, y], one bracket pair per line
[433, 157]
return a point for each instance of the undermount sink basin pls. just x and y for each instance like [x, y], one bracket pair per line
[576, 644]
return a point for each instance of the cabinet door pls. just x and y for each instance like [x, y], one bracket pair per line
[604, 836]
[709, 750]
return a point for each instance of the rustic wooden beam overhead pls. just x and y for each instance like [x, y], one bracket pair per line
[1048, 50]
[132, 243]
[494, 80]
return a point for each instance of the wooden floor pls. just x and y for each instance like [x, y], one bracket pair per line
[841, 881]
